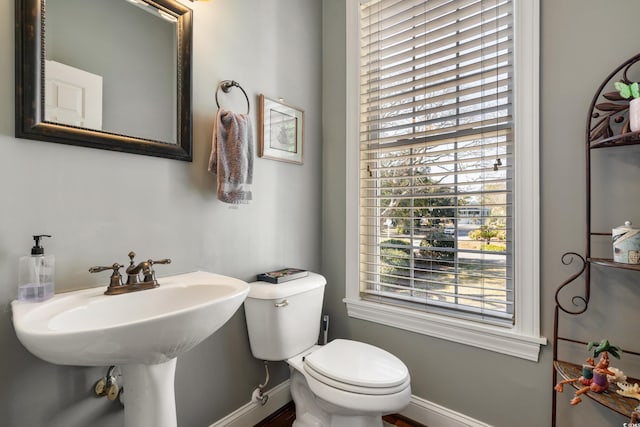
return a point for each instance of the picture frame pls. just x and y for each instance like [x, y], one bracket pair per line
[281, 131]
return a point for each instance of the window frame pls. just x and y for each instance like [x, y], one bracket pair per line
[523, 339]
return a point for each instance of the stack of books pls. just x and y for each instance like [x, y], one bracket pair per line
[282, 275]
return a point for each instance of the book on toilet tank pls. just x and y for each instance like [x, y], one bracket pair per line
[282, 275]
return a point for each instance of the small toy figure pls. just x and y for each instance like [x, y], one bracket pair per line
[594, 378]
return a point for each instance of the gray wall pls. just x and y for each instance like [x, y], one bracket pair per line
[581, 42]
[99, 205]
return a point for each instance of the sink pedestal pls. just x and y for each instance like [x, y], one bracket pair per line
[149, 395]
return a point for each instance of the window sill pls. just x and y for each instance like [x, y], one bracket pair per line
[488, 337]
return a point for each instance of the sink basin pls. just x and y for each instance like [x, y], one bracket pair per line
[88, 328]
[142, 331]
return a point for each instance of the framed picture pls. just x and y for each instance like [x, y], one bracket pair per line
[281, 131]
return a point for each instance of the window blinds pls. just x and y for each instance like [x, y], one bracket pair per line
[436, 149]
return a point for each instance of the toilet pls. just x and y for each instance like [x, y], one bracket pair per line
[343, 383]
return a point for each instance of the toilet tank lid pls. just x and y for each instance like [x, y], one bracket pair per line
[273, 291]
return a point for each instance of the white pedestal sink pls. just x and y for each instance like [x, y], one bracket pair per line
[143, 332]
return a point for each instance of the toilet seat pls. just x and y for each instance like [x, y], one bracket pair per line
[357, 367]
[353, 388]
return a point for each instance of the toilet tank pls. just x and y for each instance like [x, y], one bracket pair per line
[284, 319]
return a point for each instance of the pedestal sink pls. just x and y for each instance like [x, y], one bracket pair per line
[143, 332]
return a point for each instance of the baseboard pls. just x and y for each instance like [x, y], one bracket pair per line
[253, 412]
[434, 415]
[419, 409]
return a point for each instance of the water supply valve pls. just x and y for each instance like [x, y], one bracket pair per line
[108, 386]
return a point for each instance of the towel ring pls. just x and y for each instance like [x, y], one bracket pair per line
[226, 86]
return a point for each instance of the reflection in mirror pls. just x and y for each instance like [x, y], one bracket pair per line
[127, 45]
[107, 74]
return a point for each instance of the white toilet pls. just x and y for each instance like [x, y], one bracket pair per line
[341, 384]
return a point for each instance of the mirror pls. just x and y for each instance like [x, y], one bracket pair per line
[114, 75]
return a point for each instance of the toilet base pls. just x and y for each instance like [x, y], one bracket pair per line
[338, 421]
[309, 413]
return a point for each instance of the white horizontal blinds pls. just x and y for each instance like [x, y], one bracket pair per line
[436, 143]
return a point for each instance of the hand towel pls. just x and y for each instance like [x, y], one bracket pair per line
[232, 156]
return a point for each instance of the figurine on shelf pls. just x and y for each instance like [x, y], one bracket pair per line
[594, 378]
[629, 390]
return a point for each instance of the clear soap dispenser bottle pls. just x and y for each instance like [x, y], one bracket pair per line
[36, 274]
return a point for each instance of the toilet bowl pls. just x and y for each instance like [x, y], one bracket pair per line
[341, 384]
[350, 381]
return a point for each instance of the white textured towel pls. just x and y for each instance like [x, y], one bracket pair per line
[232, 156]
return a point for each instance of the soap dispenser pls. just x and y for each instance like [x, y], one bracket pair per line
[36, 274]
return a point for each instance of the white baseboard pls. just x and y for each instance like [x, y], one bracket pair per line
[419, 409]
[434, 415]
[253, 412]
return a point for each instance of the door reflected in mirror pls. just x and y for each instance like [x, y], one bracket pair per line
[72, 96]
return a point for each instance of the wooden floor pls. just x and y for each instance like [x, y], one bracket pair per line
[285, 416]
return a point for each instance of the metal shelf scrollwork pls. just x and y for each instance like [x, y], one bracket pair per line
[576, 300]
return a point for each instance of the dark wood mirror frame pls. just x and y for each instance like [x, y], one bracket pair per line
[29, 75]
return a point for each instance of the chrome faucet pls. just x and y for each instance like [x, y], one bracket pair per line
[133, 271]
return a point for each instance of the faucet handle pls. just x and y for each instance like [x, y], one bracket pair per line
[116, 277]
[97, 269]
[149, 274]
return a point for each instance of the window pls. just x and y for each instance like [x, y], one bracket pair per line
[442, 179]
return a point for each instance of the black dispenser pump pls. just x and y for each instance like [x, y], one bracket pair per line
[37, 249]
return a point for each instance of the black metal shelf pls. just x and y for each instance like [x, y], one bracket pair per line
[608, 126]
[607, 262]
[627, 138]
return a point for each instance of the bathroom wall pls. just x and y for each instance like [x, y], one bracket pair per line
[99, 205]
[581, 42]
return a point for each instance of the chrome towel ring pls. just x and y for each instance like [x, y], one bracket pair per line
[226, 86]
